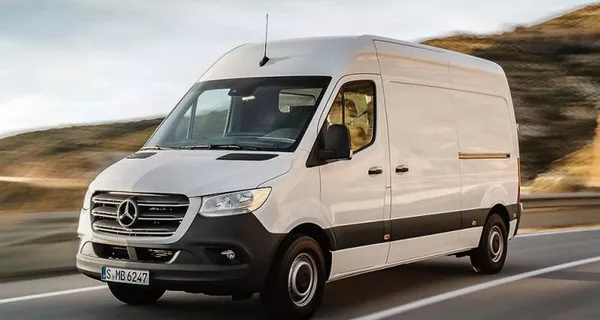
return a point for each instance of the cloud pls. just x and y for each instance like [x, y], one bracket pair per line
[78, 61]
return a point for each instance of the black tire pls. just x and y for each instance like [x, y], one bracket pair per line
[300, 262]
[135, 295]
[490, 256]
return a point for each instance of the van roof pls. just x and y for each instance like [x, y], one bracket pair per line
[332, 56]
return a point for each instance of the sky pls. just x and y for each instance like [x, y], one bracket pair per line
[66, 62]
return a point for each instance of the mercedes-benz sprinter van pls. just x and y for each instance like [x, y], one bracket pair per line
[329, 158]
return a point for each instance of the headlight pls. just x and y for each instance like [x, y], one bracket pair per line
[240, 202]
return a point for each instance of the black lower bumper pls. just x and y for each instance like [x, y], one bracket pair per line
[518, 217]
[197, 264]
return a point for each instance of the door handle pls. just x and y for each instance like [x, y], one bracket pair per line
[401, 169]
[375, 171]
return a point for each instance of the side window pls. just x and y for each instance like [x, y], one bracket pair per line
[354, 106]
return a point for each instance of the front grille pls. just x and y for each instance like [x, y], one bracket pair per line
[158, 215]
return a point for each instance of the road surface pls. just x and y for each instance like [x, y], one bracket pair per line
[444, 288]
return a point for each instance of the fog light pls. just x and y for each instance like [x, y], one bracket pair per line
[229, 254]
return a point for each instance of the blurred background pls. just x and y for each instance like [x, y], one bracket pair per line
[85, 83]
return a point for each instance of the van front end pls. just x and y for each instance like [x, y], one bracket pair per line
[204, 206]
[162, 241]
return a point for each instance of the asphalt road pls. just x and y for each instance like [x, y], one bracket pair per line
[429, 290]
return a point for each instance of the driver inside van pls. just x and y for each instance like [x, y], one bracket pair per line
[358, 135]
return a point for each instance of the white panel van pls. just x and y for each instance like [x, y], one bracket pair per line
[338, 156]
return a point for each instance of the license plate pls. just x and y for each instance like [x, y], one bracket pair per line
[140, 277]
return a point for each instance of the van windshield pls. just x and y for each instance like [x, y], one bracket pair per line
[269, 113]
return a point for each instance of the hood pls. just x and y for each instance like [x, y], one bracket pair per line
[192, 172]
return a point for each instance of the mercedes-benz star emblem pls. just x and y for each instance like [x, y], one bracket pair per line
[127, 213]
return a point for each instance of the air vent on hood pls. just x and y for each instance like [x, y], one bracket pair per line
[247, 156]
[141, 155]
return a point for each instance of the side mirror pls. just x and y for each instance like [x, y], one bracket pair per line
[337, 144]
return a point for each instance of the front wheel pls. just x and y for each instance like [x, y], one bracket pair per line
[135, 295]
[490, 256]
[295, 285]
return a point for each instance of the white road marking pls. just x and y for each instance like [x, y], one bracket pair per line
[472, 289]
[549, 233]
[51, 294]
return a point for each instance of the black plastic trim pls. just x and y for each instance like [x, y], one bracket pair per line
[515, 208]
[247, 156]
[197, 267]
[363, 234]
[357, 235]
[426, 225]
[477, 215]
[141, 155]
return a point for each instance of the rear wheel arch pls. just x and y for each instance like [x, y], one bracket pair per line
[500, 210]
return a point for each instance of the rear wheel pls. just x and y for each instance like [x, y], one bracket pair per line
[135, 295]
[295, 285]
[490, 256]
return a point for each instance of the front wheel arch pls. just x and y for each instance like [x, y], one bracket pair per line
[322, 236]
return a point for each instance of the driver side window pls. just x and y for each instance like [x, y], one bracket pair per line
[354, 106]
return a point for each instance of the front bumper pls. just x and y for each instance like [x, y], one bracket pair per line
[197, 265]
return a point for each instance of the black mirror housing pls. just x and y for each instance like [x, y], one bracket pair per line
[336, 143]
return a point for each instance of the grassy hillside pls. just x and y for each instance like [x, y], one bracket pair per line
[76, 152]
[20, 197]
[553, 69]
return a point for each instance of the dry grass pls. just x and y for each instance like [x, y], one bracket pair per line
[584, 20]
[78, 152]
[66, 154]
[20, 197]
[576, 172]
[463, 43]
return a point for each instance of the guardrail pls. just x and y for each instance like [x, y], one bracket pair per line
[45, 243]
[557, 200]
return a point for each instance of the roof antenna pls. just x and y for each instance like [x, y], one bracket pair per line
[265, 59]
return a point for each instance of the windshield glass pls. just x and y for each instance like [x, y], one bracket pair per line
[250, 113]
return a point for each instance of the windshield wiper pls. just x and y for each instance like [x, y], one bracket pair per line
[219, 146]
[155, 148]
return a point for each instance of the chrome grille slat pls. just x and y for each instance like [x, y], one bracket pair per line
[160, 218]
[109, 226]
[132, 233]
[106, 201]
[159, 215]
[158, 204]
[103, 215]
[105, 210]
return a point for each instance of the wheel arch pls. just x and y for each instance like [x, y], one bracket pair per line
[501, 210]
[324, 237]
